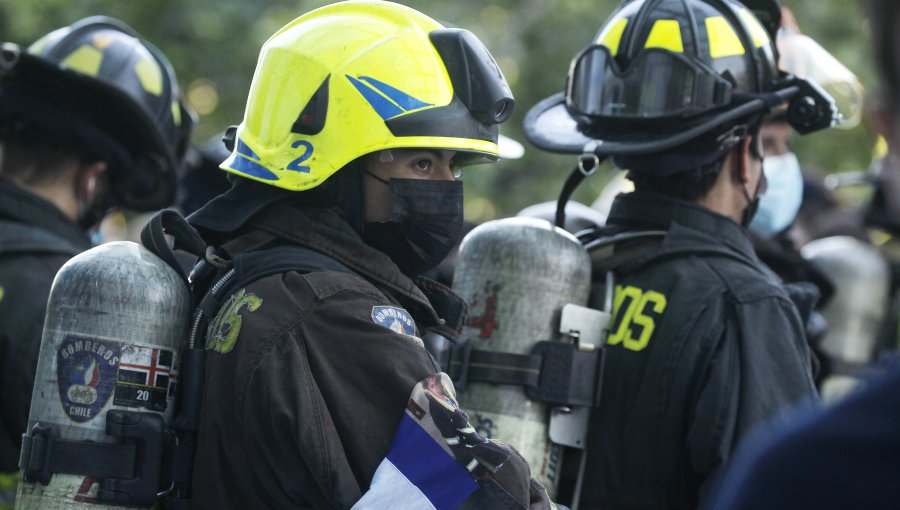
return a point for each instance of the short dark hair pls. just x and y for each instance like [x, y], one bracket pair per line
[691, 185]
[689, 182]
[33, 161]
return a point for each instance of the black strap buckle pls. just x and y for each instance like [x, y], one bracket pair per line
[131, 471]
[569, 376]
[37, 452]
[148, 431]
[452, 357]
[553, 372]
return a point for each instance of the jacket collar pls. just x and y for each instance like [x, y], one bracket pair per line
[19, 205]
[686, 222]
[325, 231]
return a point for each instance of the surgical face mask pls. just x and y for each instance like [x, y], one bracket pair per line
[426, 224]
[779, 205]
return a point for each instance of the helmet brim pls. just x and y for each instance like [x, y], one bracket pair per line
[549, 126]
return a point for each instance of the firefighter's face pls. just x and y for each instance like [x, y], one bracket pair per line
[382, 166]
[776, 138]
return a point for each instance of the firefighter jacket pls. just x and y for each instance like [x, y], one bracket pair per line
[705, 344]
[36, 239]
[313, 378]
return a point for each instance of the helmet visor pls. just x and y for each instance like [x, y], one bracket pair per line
[658, 83]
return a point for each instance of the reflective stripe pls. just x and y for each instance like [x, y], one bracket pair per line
[723, 40]
[176, 113]
[666, 34]
[150, 75]
[612, 36]
[85, 59]
[759, 34]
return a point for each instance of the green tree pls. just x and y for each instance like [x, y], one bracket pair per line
[213, 45]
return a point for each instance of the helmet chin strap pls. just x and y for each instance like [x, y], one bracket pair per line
[752, 203]
[372, 175]
[588, 164]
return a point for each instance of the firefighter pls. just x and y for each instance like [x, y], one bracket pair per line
[705, 343]
[847, 456]
[90, 119]
[359, 119]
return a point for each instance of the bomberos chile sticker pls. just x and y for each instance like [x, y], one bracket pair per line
[86, 373]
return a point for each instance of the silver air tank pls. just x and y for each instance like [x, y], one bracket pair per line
[115, 319]
[517, 274]
[857, 309]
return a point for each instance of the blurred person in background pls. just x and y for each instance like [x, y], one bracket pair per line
[847, 456]
[90, 119]
[704, 343]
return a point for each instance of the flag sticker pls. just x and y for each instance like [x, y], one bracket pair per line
[146, 378]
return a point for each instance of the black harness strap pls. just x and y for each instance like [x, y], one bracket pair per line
[496, 367]
[42, 453]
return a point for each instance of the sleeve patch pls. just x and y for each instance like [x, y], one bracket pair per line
[395, 319]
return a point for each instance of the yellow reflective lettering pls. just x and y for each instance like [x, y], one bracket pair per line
[633, 294]
[637, 311]
[658, 302]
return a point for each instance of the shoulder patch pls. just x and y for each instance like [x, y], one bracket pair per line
[224, 330]
[395, 319]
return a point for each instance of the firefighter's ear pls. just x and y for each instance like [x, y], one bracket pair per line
[745, 160]
[92, 177]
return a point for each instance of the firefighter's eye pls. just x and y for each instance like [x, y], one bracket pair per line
[423, 165]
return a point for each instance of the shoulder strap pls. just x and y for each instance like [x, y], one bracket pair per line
[169, 221]
[17, 237]
[254, 265]
[609, 251]
[636, 248]
[249, 267]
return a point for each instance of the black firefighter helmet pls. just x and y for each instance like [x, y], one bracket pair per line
[98, 85]
[661, 73]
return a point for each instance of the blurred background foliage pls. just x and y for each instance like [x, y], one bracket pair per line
[213, 45]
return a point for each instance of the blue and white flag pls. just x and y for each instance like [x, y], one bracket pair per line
[437, 459]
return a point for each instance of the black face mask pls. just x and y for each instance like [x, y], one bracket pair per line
[426, 224]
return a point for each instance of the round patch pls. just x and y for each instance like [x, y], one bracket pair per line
[86, 373]
[395, 319]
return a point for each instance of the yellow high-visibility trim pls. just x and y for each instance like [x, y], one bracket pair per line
[85, 59]
[878, 152]
[612, 35]
[176, 113]
[757, 31]
[723, 40]
[666, 34]
[150, 75]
